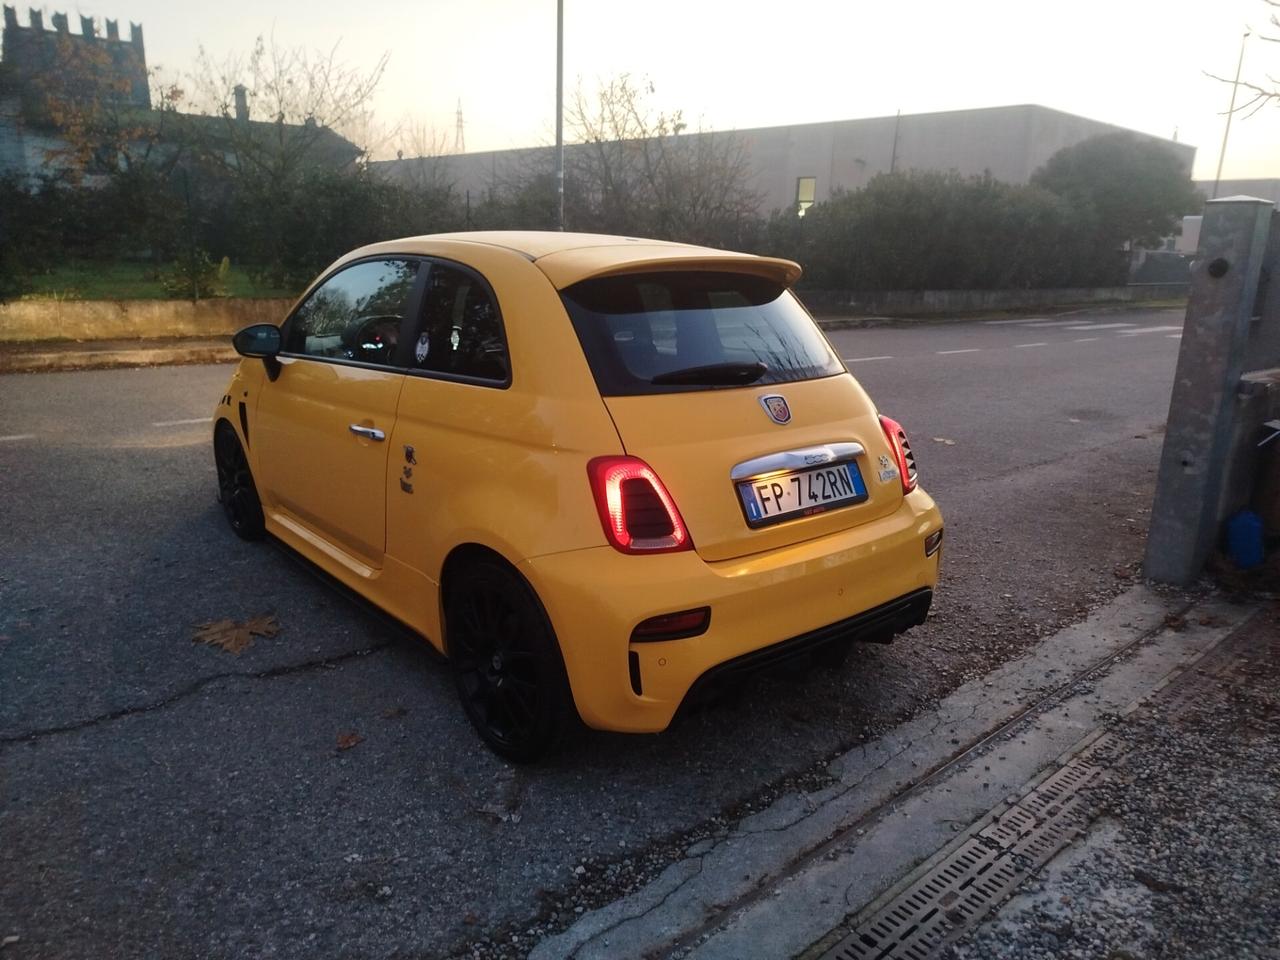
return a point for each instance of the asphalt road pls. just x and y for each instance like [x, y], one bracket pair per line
[162, 798]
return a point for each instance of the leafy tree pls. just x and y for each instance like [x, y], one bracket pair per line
[125, 151]
[101, 130]
[923, 230]
[1135, 190]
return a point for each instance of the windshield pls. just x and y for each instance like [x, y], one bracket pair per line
[671, 332]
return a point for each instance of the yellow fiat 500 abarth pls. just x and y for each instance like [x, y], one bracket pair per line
[596, 472]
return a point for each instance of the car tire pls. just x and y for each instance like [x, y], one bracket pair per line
[236, 490]
[505, 661]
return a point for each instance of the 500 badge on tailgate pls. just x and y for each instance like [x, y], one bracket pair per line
[781, 497]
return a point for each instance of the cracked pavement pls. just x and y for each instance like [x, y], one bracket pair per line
[324, 663]
[159, 797]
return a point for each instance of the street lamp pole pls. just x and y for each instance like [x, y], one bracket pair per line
[1230, 112]
[559, 114]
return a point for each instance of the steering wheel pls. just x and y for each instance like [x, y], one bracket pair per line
[373, 339]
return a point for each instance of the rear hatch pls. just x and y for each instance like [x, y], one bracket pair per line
[722, 383]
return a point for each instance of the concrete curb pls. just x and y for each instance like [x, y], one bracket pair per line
[689, 900]
[833, 322]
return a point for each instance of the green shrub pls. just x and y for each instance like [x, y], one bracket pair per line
[196, 277]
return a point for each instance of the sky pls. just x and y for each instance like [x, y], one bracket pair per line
[735, 65]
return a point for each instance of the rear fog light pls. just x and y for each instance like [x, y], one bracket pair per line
[673, 626]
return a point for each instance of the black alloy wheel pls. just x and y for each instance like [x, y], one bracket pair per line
[236, 492]
[506, 663]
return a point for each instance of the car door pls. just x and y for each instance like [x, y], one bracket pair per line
[322, 423]
[460, 432]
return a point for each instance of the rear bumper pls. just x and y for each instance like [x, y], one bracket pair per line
[878, 625]
[859, 582]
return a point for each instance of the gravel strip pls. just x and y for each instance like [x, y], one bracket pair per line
[1184, 858]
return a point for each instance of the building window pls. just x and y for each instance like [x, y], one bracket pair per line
[806, 191]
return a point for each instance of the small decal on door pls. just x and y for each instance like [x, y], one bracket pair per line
[410, 461]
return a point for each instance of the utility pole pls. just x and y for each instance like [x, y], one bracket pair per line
[893, 158]
[559, 114]
[1230, 112]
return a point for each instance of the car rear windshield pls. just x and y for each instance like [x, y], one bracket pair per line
[669, 332]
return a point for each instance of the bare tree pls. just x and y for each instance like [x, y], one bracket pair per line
[423, 151]
[1260, 95]
[638, 170]
[300, 99]
[269, 130]
[374, 137]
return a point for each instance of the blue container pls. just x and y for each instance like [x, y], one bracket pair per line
[1244, 539]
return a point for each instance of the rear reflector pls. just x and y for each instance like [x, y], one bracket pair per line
[633, 667]
[901, 452]
[673, 626]
[932, 543]
[636, 511]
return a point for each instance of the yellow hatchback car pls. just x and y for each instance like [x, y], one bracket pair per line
[598, 473]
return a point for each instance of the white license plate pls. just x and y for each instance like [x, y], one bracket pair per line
[767, 500]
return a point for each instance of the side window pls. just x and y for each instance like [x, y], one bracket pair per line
[461, 330]
[356, 313]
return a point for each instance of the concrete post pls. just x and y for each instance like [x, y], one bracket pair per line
[1202, 409]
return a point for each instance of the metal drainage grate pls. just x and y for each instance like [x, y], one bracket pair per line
[959, 890]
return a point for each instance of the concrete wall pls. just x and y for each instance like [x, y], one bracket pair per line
[924, 303]
[29, 320]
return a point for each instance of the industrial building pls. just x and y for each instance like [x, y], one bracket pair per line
[794, 166]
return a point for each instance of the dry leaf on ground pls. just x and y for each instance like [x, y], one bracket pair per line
[236, 637]
[348, 740]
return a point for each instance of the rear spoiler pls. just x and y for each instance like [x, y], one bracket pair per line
[567, 267]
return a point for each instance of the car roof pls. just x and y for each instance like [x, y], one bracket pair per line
[540, 243]
[567, 258]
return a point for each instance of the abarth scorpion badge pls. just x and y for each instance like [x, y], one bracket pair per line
[776, 407]
[410, 461]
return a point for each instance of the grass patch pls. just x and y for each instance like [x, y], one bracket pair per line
[130, 281]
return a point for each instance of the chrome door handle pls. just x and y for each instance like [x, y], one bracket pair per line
[369, 433]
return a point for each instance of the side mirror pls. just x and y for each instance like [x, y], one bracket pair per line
[260, 340]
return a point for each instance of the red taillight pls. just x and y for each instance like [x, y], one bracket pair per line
[901, 452]
[636, 511]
